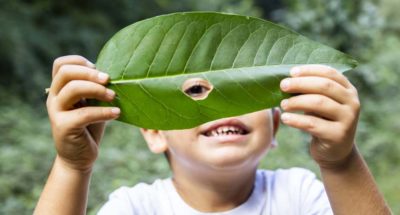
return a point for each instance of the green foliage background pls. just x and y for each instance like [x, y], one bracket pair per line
[33, 33]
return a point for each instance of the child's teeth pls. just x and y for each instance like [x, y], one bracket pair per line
[225, 130]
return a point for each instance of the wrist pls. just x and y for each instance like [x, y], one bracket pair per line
[341, 164]
[72, 169]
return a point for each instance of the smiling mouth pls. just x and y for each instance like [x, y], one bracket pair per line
[226, 130]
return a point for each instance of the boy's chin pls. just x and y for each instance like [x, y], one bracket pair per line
[232, 160]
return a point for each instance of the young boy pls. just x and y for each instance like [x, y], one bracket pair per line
[214, 165]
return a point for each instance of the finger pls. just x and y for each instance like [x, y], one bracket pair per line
[82, 117]
[70, 59]
[68, 73]
[318, 105]
[316, 85]
[313, 125]
[323, 71]
[76, 90]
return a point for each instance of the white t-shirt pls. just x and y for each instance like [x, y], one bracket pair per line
[292, 191]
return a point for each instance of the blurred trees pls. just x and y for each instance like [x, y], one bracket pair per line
[34, 32]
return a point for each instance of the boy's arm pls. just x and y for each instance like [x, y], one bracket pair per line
[331, 108]
[65, 192]
[77, 130]
[351, 188]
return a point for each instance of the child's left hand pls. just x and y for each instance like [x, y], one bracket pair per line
[331, 107]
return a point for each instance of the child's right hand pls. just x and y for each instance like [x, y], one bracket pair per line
[77, 128]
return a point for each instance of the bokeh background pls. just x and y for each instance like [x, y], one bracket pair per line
[34, 32]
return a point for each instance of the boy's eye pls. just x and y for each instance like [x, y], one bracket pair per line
[197, 88]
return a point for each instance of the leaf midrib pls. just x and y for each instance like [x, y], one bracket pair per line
[124, 81]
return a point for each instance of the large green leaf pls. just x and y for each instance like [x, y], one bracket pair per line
[243, 58]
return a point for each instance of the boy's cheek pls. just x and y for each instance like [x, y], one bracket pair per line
[180, 137]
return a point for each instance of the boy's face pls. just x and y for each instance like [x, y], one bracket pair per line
[234, 142]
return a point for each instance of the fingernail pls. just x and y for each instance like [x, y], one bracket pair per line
[285, 84]
[284, 103]
[110, 93]
[295, 71]
[102, 76]
[115, 111]
[285, 117]
[90, 64]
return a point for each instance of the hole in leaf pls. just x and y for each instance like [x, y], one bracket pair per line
[197, 88]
